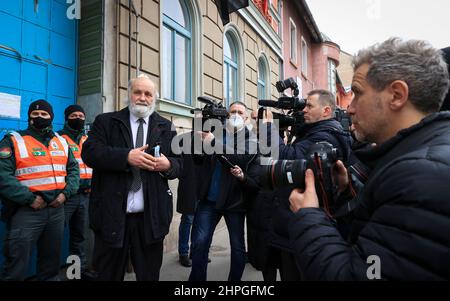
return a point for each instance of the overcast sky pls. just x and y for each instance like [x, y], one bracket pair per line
[355, 24]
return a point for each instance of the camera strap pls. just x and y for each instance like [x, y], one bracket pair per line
[344, 143]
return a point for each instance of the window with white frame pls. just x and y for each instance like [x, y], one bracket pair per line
[230, 69]
[332, 76]
[176, 52]
[292, 41]
[275, 12]
[263, 78]
[304, 57]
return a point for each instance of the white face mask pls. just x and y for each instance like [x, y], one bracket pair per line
[235, 122]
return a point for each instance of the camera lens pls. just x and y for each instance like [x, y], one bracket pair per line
[281, 173]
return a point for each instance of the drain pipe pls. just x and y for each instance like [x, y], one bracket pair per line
[129, 40]
[136, 34]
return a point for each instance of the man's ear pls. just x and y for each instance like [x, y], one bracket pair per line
[326, 111]
[399, 92]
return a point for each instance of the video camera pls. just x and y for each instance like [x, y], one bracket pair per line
[294, 104]
[321, 158]
[343, 118]
[212, 110]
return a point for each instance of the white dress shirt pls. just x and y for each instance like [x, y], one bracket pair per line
[135, 201]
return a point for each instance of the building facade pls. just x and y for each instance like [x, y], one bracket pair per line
[86, 51]
[344, 80]
[183, 46]
[310, 57]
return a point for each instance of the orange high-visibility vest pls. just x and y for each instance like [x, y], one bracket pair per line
[85, 171]
[38, 167]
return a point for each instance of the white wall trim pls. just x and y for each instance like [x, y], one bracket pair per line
[109, 57]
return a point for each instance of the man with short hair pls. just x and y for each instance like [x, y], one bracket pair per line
[403, 218]
[38, 173]
[222, 195]
[319, 126]
[130, 206]
[76, 207]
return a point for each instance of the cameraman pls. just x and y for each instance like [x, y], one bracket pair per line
[319, 126]
[222, 195]
[403, 221]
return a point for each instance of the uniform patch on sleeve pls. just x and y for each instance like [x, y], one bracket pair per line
[5, 152]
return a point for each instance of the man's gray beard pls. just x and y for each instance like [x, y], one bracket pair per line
[141, 111]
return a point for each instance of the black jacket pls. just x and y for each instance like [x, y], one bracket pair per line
[329, 131]
[199, 178]
[190, 179]
[106, 151]
[403, 218]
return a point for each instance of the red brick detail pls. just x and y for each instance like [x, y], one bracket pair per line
[263, 7]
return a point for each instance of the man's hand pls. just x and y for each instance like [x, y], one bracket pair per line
[38, 203]
[161, 164]
[237, 172]
[207, 137]
[340, 176]
[60, 199]
[267, 116]
[139, 158]
[307, 198]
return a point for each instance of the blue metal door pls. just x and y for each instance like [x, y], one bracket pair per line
[38, 59]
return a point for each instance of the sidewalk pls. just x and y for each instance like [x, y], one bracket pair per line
[218, 269]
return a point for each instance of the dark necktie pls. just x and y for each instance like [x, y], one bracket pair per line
[137, 182]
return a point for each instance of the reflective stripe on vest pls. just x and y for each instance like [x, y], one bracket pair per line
[20, 144]
[43, 181]
[41, 168]
[38, 167]
[63, 142]
[85, 171]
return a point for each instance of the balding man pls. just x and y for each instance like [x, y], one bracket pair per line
[131, 203]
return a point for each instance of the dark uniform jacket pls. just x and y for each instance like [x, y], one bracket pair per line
[14, 194]
[106, 151]
[76, 137]
[403, 217]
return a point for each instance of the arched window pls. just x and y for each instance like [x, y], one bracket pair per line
[230, 69]
[263, 78]
[176, 52]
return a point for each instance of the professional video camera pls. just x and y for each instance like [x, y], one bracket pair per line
[212, 110]
[321, 158]
[294, 104]
[342, 116]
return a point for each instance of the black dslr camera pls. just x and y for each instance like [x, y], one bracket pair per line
[212, 110]
[294, 104]
[321, 158]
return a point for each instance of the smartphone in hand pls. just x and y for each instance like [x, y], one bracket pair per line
[155, 151]
[224, 160]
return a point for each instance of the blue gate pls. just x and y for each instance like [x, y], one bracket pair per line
[38, 59]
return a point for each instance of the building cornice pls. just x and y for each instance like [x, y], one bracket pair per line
[256, 20]
[307, 16]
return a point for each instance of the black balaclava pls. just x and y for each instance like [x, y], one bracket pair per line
[38, 122]
[77, 123]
